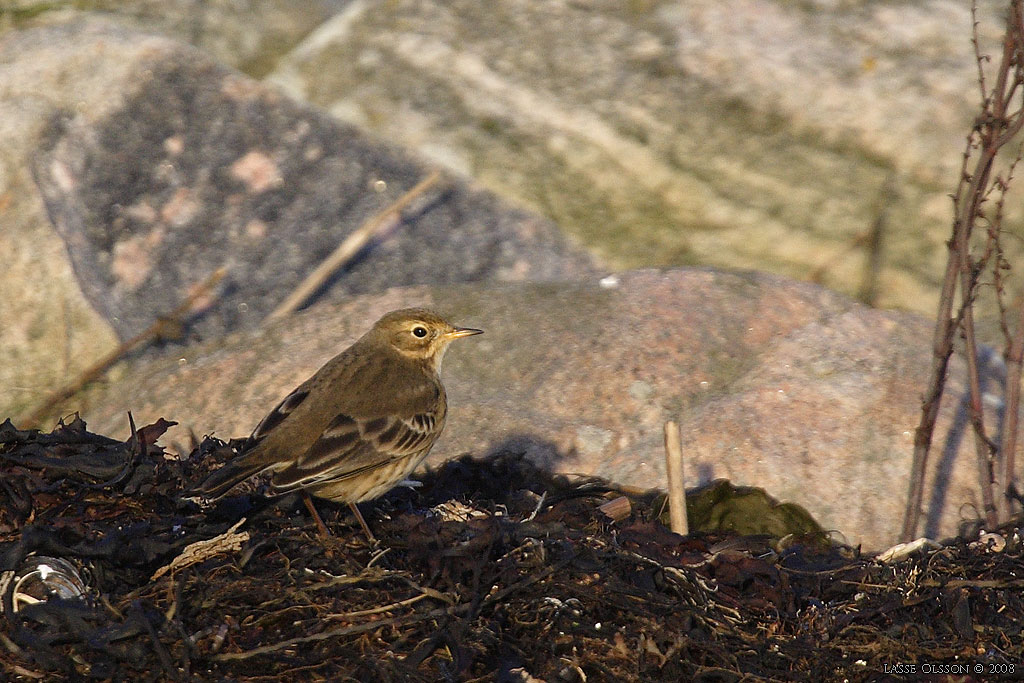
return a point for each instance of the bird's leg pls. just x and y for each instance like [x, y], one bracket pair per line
[320, 526]
[362, 523]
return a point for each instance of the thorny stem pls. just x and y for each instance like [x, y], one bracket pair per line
[993, 129]
[1014, 362]
[1013, 352]
[942, 349]
[979, 59]
[968, 281]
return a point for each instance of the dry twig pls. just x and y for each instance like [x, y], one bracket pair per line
[1014, 362]
[155, 331]
[349, 247]
[676, 485]
[200, 551]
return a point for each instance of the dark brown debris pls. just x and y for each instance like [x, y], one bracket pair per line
[489, 571]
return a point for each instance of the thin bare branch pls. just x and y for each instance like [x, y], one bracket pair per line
[349, 247]
[1014, 362]
[155, 331]
[979, 59]
[992, 130]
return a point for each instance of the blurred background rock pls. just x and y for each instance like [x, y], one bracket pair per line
[740, 133]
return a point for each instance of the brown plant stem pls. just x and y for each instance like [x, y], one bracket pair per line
[983, 450]
[676, 484]
[349, 247]
[1008, 442]
[942, 349]
[156, 330]
[993, 129]
[968, 280]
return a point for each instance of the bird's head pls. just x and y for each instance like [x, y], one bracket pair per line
[419, 333]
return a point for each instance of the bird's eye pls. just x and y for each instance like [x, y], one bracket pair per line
[420, 331]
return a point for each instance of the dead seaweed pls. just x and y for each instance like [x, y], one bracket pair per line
[491, 570]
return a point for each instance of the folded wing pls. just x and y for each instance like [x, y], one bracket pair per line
[349, 447]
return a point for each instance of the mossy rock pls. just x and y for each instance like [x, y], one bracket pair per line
[745, 510]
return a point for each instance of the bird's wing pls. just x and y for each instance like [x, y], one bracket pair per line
[278, 414]
[351, 446]
[251, 460]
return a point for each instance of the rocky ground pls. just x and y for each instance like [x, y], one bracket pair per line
[774, 383]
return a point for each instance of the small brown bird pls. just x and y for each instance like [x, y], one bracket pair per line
[361, 424]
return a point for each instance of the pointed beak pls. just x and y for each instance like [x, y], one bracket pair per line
[463, 332]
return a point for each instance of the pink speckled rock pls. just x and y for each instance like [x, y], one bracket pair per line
[776, 384]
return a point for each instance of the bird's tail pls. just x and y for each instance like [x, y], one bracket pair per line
[227, 476]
